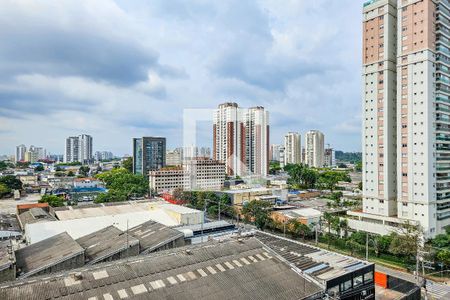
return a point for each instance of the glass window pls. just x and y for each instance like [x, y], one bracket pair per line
[358, 280]
[368, 277]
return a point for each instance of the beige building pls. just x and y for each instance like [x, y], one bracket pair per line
[167, 179]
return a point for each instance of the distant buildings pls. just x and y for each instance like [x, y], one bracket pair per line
[79, 149]
[274, 154]
[103, 155]
[32, 155]
[314, 149]
[330, 158]
[241, 139]
[20, 153]
[174, 157]
[190, 152]
[149, 154]
[292, 148]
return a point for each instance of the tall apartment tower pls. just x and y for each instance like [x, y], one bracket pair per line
[79, 149]
[241, 139]
[314, 149]
[379, 113]
[72, 149]
[406, 134]
[20, 152]
[292, 148]
[149, 154]
[257, 141]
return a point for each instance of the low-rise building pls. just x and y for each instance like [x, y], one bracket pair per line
[107, 244]
[54, 254]
[205, 174]
[9, 227]
[168, 179]
[241, 196]
[153, 237]
[307, 216]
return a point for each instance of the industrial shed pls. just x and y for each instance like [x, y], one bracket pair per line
[237, 269]
[108, 244]
[7, 262]
[154, 237]
[54, 254]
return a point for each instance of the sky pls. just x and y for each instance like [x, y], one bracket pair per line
[125, 68]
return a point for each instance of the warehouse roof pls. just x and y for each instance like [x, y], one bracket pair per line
[152, 235]
[77, 228]
[320, 264]
[104, 243]
[35, 215]
[229, 270]
[39, 256]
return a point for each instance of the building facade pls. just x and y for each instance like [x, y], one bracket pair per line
[241, 139]
[168, 179]
[174, 157]
[292, 148]
[330, 158]
[20, 152]
[149, 154]
[406, 134]
[274, 154]
[79, 149]
[314, 149]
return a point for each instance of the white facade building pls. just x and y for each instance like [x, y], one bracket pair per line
[79, 149]
[314, 149]
[275, 152]
[292, 148]
[20, 152]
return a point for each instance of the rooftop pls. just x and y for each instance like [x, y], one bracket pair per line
[80, 227]
[152, 235]
[230, 270]
[317, 263]
[6, 255]
[104, 243]
[39, 256]
[301, 212]
[35, 215]
[9, 222]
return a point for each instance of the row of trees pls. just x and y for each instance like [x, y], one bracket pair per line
[198, 199]
[302, 176]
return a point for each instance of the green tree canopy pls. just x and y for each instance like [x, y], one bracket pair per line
[4, 190]
[258, 212]
[11, 182]
[127, 164]
[52, 200]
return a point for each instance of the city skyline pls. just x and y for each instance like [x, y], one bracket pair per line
[279, 64]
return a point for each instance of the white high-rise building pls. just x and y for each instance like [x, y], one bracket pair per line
[314, 149]
[241, 139]
[275, 152]
[20, 153]
[406, 131]
[292, 148]
[79, 149]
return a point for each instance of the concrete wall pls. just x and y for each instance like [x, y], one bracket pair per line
[8, 274]
[72, 263]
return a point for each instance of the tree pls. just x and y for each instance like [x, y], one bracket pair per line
[11, 182]
[127, 164]
[22, 164]
[358, 166]
[52, 200]
[360, 186]
[84, 171]
[122, 185]
[444, 256]
[329, 179]
[343, 226]
[70, 174]
[274, 167]
[441, 241]
[39, 168]
[407, 242]
[4, 165]
[4, 190]
[381, 244]
[258, 212]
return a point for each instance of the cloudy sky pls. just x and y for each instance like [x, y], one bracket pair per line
[125, 68]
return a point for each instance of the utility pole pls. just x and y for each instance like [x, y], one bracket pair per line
[219, 209]
[367, 246]
[317, 237]
[128, 246]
